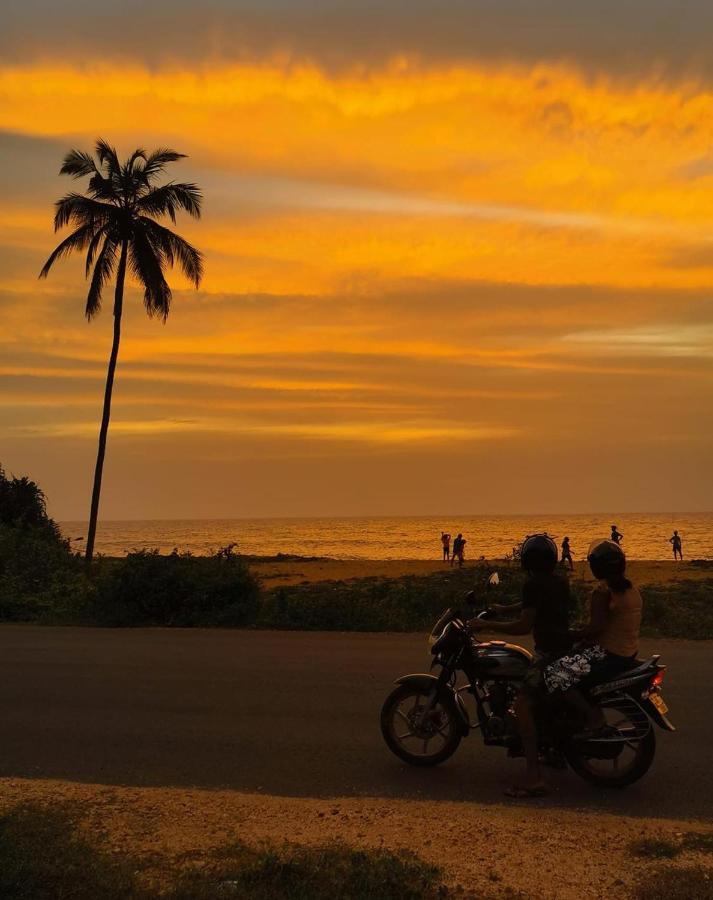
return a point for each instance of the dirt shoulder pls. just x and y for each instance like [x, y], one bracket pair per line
[543, 852]
[273, 573]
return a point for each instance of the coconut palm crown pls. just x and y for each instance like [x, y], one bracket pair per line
[115, 222]
[116, 218]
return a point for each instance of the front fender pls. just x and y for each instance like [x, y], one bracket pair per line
[427, 683]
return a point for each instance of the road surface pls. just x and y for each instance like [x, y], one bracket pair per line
[288, 713]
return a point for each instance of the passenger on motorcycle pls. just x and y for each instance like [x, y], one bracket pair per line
[609, 643]
[544, 611]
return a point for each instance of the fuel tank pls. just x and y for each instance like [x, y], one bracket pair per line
[498, 659]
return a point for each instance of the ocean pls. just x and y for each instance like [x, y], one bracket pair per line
[408, 537]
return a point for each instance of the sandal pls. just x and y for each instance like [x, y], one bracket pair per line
[519, 792]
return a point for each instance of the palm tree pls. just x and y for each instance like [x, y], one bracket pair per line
[115, 222]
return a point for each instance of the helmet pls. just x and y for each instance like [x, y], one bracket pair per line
[539, 554]
[606, 559]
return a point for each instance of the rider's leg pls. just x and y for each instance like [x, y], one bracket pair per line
[591, 716]
[524, 709]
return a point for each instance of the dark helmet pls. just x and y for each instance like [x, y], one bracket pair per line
[539, 554]
[606, 559]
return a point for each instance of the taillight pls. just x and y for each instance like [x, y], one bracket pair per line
[657, 680]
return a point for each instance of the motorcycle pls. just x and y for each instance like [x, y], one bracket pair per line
[425, 718]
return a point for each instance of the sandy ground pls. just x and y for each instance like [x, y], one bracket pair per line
[481, 848]
[284, 572]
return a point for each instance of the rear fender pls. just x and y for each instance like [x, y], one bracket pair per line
[656, 716]
[428, 683]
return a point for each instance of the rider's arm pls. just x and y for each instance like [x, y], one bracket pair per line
[523, 625]
[501, 608]
[598, 615]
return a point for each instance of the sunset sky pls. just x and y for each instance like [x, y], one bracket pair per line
[458, 256]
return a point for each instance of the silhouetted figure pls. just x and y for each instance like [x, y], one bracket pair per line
[458, 549]
[616, 535]
[675, 540]
[446, 541]
[567, 553]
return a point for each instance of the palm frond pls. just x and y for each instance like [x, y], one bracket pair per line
[108, 158]
[102, 273]
[78, 240]
[146, 266]
[93, 247]
[77, 163]
[157, 162]
[167, 199]
[174, 248]
[138, 154]
[82, 210]
[102, 188]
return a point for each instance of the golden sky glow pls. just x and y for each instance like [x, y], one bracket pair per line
[431, 285]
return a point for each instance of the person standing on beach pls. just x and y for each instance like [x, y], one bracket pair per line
[446, 542]
[616, 535]
[675, 540]
[460, 543]
[567, 553]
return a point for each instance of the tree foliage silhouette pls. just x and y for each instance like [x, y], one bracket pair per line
[115, 222]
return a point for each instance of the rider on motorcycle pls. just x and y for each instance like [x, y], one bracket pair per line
[544, 611]
[609, 643]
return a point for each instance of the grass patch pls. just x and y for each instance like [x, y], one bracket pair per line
[409, 603]
[44, 855]
[699, 842]
[663, 848]
[655, 848]
[681, 609]
[293, 872]
[676, 883]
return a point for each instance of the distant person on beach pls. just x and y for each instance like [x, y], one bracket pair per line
[446, 541]
[567, 553]
[675, 540]
[458, 549]
[616, 535]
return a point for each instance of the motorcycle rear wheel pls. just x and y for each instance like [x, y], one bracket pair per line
[629, 766]
[430, 745]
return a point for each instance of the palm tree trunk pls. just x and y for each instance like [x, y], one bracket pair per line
[106, 412]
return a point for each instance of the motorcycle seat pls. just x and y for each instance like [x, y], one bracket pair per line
[639, 668]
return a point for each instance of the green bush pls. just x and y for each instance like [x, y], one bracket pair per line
[39, 577]
[410, 603]
[682, 609]
[146, 588]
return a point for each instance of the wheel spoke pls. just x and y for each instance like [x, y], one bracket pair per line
[402, 737]
[404, 717]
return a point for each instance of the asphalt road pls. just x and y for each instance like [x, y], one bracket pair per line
[288, 713]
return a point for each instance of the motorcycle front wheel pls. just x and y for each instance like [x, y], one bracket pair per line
[419, 740]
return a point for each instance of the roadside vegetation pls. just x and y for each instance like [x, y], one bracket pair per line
[45, 854]
[676, 882]
[42, 580]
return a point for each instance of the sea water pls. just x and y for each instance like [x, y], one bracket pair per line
[646, 536]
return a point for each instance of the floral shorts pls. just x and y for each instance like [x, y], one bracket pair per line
[568, 671]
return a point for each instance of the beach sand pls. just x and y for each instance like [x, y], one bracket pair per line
[275, 572]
